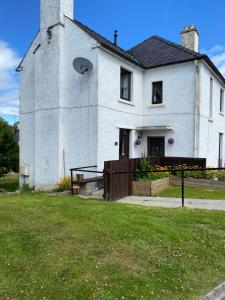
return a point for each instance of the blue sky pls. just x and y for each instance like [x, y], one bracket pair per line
[135, 21]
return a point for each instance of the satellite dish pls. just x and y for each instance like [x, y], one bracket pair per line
[82, 65]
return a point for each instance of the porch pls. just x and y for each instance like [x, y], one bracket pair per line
[149, 140]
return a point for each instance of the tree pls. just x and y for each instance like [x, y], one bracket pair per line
[9, 149]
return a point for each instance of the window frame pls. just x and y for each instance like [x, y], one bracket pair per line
[221, 100]
[129, 98]
[149, 141]
[211, 98]
[160, 101]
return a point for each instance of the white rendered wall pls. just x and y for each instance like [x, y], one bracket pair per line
[27, 116]
[210, 128]
[41, 145]
[58, 106]
[53, 11]
[80, 94]
[177, 109]
[114, 114]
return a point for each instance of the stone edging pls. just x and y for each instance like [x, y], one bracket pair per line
[217, 294]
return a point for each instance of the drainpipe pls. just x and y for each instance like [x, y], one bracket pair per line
[197, 110]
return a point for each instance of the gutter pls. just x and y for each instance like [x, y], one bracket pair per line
[197, 110]
[121, 57]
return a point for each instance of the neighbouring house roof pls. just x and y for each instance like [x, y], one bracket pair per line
[153, 52]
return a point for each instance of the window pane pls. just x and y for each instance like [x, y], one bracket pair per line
[125, 84]
[211, 99]
[221, 100]
[157, 92]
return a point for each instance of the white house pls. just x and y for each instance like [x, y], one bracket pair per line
[157, 98]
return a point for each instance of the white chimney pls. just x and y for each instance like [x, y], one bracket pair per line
[53, 11]
[190, 38]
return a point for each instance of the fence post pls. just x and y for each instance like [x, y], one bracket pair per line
[71, 172]
[182, 187]
[106, 184]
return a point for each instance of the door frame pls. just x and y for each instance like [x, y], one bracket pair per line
[125, 135]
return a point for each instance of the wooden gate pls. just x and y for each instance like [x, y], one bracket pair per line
[119, 185]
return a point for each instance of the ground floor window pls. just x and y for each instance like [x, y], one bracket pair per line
[220, 163]
[156, 146]
[124, 148]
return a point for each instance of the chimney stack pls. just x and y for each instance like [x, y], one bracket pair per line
[53, 11]
[190, 38]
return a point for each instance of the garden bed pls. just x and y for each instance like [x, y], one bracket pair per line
[192, 182]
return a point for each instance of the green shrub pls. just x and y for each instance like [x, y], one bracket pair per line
[144, 168]
[25, 188]
[221, 175]
[145, 171]
[64, 184]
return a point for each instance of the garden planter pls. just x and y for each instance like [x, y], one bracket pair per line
[201, 183]
[149, 188]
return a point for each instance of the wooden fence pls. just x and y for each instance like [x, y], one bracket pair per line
[117, 186]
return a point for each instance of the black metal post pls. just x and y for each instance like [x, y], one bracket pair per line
[182, 187]
[71, 172]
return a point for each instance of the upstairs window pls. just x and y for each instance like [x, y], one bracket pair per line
[221, 100]
[157, 92]
[211, 99]
[125, 84]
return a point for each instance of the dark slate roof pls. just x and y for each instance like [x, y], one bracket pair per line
[107, 44]
[157, 51]
[153, 52]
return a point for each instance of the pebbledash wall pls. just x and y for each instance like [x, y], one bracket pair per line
[69, 120]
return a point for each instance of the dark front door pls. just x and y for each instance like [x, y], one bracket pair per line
[124, 148]
[156, 146]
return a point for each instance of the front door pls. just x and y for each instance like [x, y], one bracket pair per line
[156, 146]
[124, 148]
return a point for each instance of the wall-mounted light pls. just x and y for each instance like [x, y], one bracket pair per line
[139, 139]
[171, 141]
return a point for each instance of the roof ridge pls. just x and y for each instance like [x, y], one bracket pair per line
[180, 47]
[101, 36]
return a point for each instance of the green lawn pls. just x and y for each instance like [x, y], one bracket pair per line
[9, 183]
[59, 247]
[192, 193]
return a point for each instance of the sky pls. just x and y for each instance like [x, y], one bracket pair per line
[134, 20]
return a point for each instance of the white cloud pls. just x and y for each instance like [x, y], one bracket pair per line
[9, 102]
[217, 55]
[9, 87]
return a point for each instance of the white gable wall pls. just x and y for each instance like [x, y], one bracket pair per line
[58, 106]
[41, 129]
[80, 97]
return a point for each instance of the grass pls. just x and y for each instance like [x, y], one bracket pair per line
[59, 247]
[9, 183]
[192, 193]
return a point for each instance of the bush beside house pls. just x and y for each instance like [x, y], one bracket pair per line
[9, 149]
